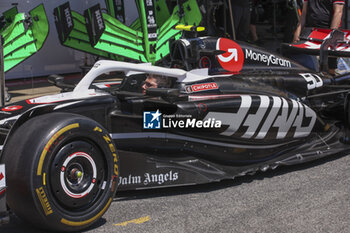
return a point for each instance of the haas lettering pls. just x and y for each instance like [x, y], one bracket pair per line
[273, 112]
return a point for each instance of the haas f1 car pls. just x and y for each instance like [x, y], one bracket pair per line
[244, 110]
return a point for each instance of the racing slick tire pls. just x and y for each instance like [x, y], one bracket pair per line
[62, 171]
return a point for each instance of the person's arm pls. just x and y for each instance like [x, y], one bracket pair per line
[337, 15]
[301, 23]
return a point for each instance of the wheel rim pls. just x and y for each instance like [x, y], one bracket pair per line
[78, 176]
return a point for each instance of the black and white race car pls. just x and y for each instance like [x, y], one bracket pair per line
[243, 111]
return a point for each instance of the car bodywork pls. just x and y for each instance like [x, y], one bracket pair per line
[266, 119]
[244, 110]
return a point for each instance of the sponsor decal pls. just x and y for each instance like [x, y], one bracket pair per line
[108, 140]
[276, 117]
[203, 87]
[151, 20]
[202, 107]
[12, 108]
[151, 120]
[268, 59]
[191, 123]
[149, 178]
[313, 80]
[44, 201]
[95, 23]
[157, 120]
[99, 20]
[64, 21]
[69, 20]
[112, 148]
[204, 62]
[188, 89]
[233, 58]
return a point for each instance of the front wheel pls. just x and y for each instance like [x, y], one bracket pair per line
[62, 170]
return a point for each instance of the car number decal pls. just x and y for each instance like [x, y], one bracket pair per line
[313, 80]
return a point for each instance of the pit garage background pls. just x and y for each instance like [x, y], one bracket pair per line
[54, 58]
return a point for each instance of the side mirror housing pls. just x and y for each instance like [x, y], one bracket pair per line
[58, 81]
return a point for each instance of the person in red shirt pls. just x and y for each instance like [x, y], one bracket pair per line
[321, 14]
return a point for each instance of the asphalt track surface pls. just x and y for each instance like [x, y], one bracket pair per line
[312, 197]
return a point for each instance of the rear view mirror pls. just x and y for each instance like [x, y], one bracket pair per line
[58, 81]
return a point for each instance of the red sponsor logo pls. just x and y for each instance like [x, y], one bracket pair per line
[12, 108]
[204, 87]
[233, 59]
[202, 107]
[1, 176]
[204, 62]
